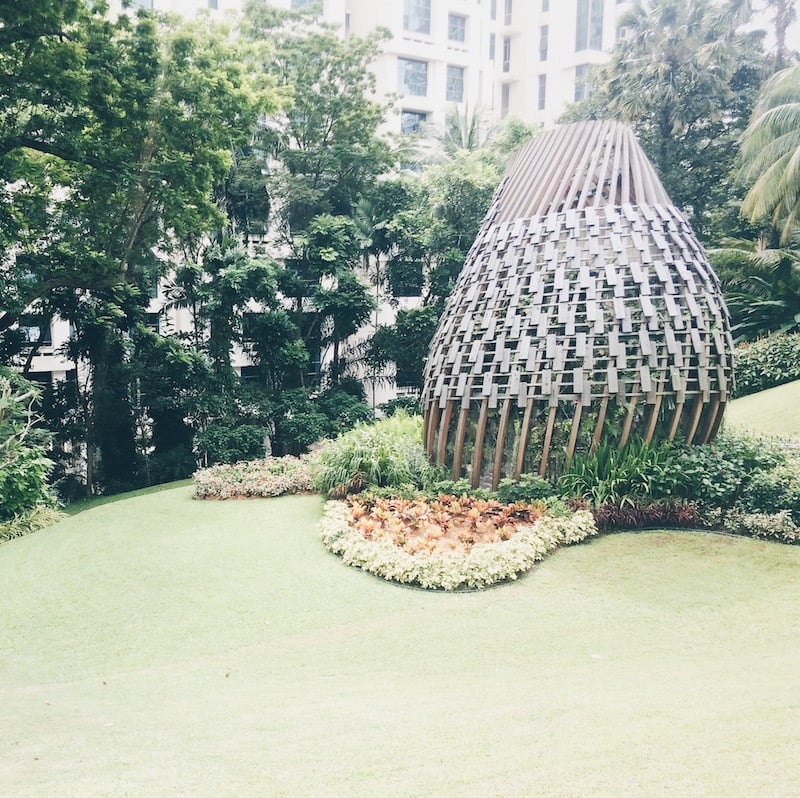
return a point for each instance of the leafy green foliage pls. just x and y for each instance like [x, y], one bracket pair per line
[775, 489]
[386, 453]
[23, 465]
[610, 475]
[763, 364]
[770, 155]
[32, 520]
[719, 473]
[529, 487]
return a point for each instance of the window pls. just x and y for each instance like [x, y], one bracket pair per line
[412, 121]
[545, 5]
[505, 95]
[412, 76]
[154, 322]
[417, 16]
[507, 14]
[296, 5]
[589, 25]
[492, 45]
[493, 10]
[35, 329]
[583, 84]
[455, 84]
[456, 28]
[506, 54]
[213, 4]
[543, 37]
[542, 92]
[250, 374]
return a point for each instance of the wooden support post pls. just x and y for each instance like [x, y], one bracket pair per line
[676, 421]
[523, 438]
[458, 453]
[573, 436]
[430, 427]
[626, 427]
[444, 428]
[698, 409]
[712, 419]
[655, 409]
[477, 452]
[548, 437]
[601, 419]
[501, 443]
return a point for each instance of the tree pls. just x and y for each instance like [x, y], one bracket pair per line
[113, 135]
[770, 156]
[686, 81]
[326, 159]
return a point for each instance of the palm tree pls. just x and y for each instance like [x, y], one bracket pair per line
[771, 154]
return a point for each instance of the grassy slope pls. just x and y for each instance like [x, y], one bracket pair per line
[162, 646]
[772, 412]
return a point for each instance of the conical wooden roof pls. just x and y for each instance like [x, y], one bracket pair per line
[586, 308]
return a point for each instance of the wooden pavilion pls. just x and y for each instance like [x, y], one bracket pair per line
[586, 311]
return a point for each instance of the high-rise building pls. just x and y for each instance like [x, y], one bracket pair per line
[527, 58]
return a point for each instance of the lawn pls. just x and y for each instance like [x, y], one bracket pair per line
[160, 646]
[774, 412]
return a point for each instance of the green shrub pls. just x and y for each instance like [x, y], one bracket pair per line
[771, 526]
[528, 488]
[774, 491]
[38, 517]
[459, 487]
[387, 453]
[23, 465]
[772, 361]
[718, 473]
[230, 442]
[610, 475]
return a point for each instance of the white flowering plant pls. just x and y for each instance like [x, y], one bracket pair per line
[272, 476]
[450, 567]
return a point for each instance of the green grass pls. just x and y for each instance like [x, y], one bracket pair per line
[96, 501]
[161, 646]
[774, 412]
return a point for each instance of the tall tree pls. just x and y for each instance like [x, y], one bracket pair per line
[327, 157]
[770, 156]
[113, 135]
[686, 81]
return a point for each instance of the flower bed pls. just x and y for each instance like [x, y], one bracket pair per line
[272, 476]
[450, 543]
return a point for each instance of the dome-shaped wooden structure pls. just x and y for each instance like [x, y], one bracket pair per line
[586, 310]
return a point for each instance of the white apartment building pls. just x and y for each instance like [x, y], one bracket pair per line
[527, 58]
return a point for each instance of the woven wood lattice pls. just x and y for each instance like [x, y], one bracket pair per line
[586, 311]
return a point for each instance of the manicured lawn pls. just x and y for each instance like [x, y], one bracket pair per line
[774, 412]
[161, 646]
